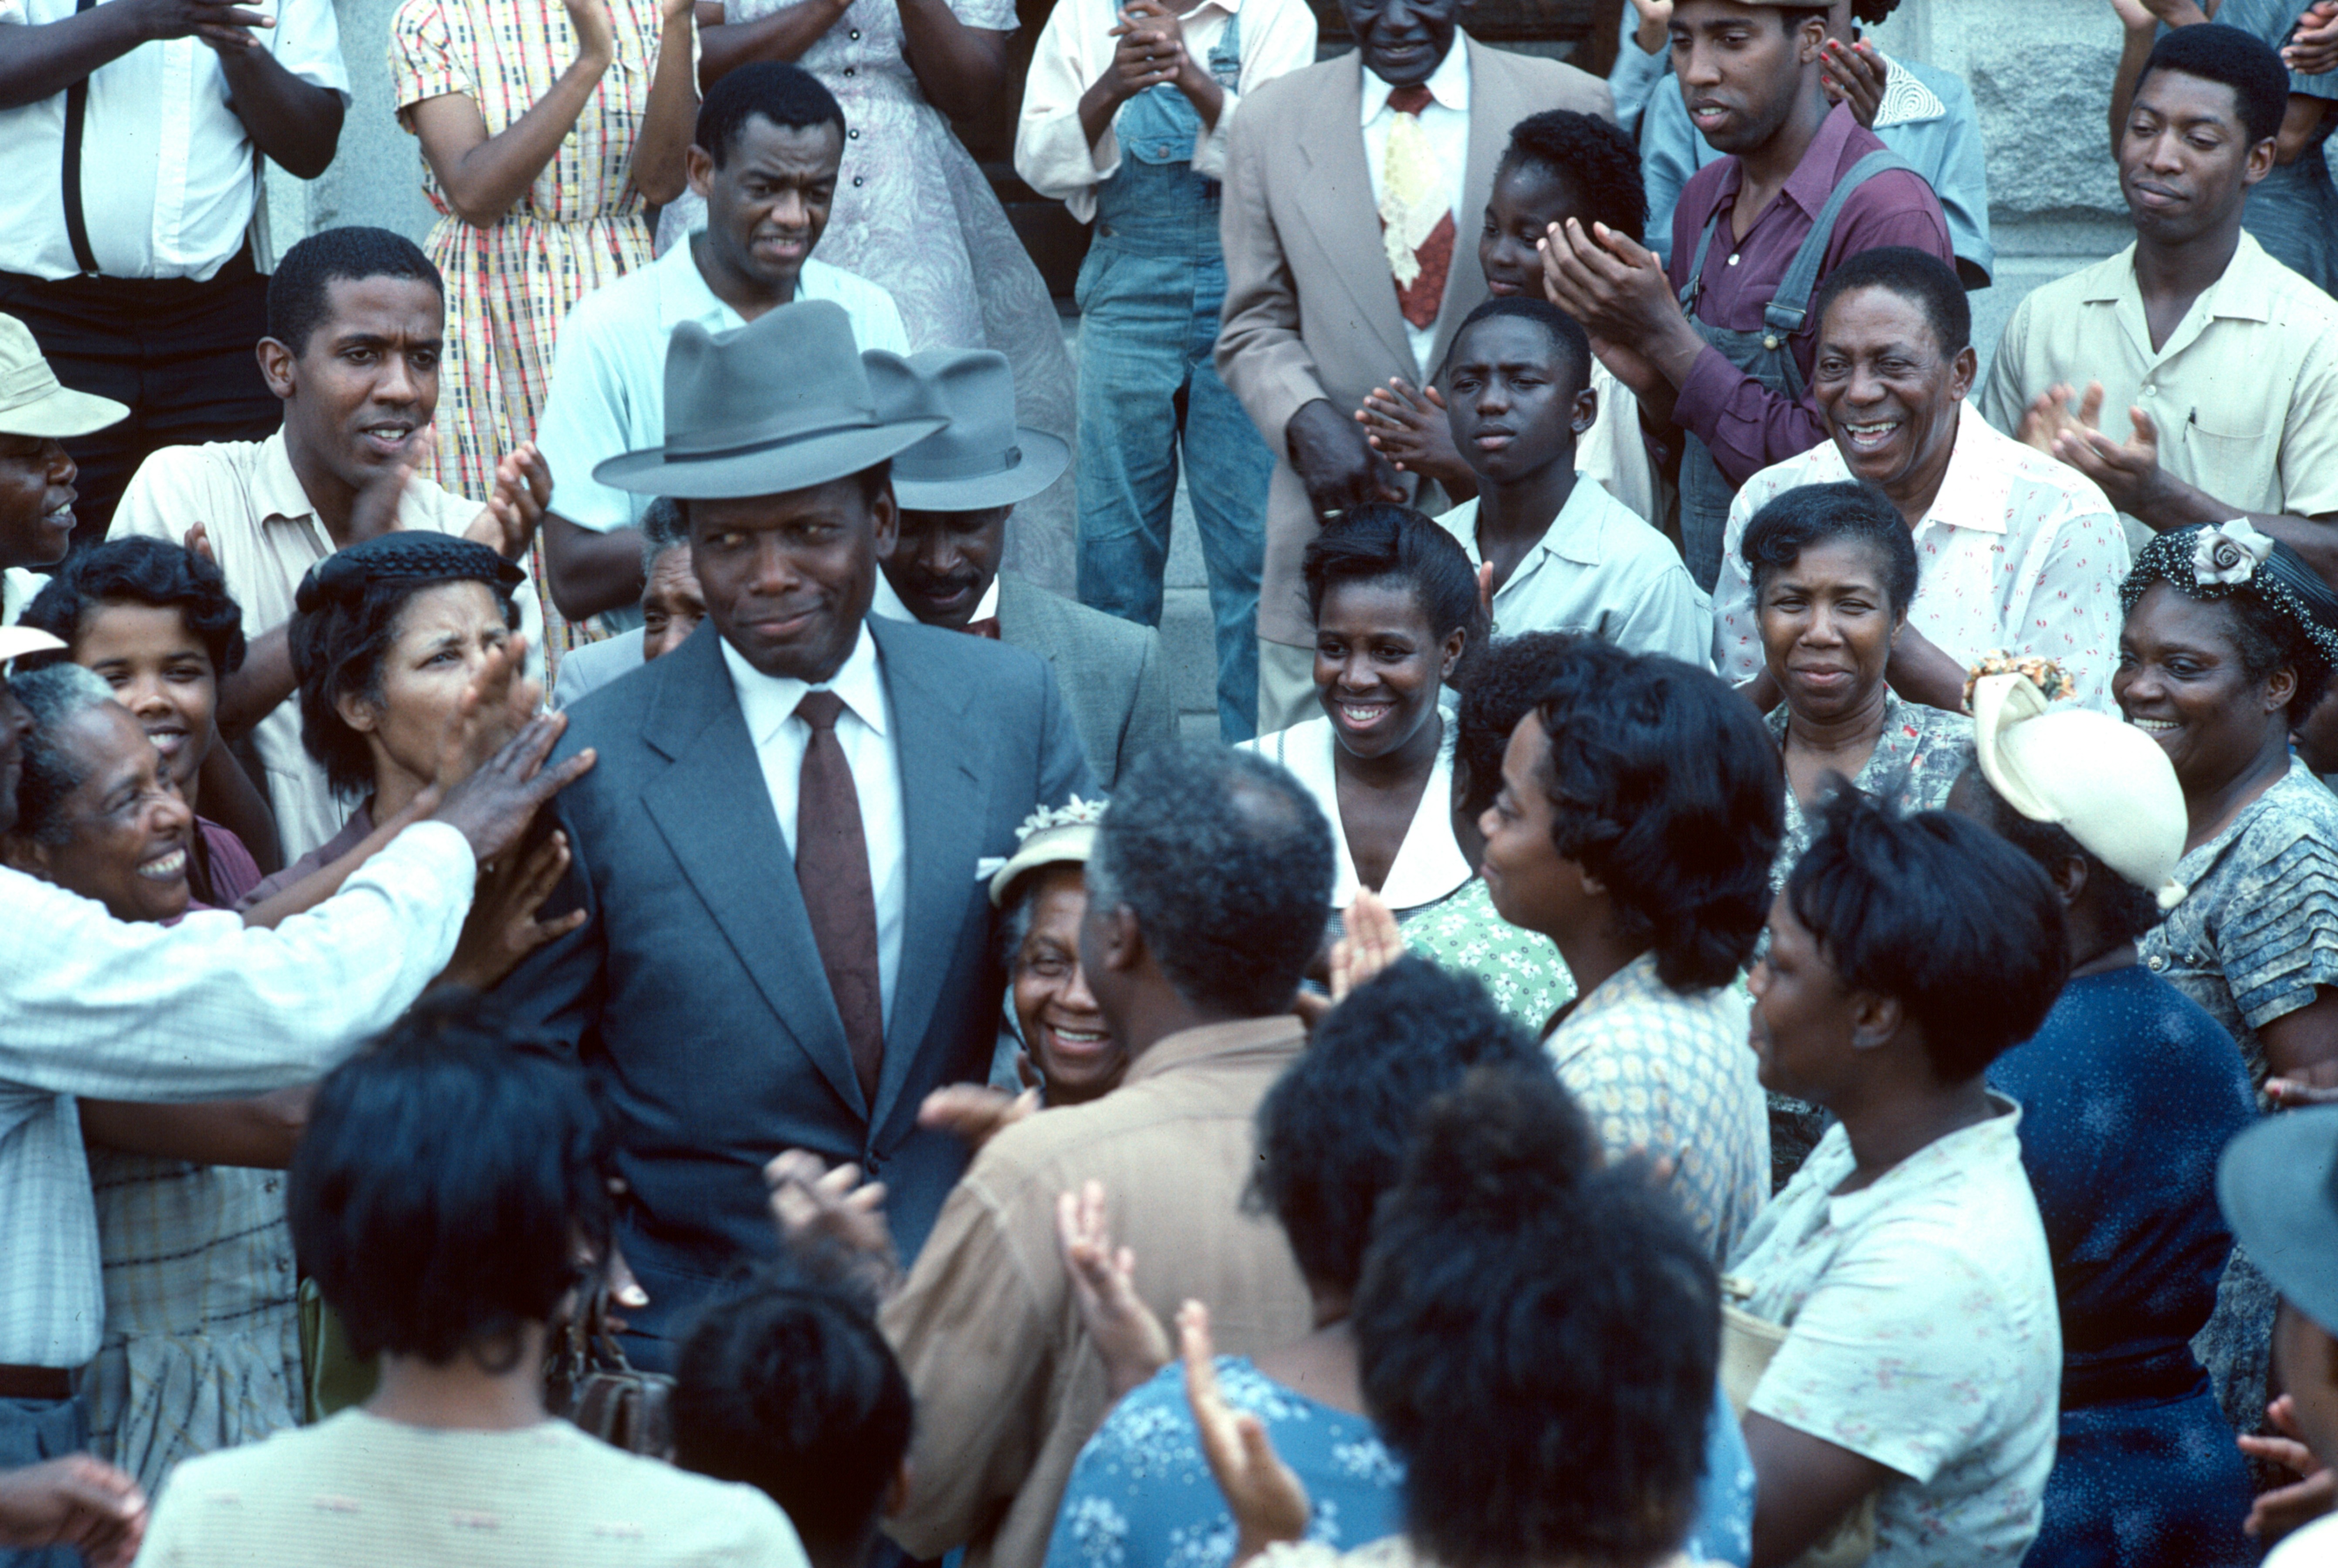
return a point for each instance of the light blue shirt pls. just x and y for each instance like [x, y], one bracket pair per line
[608, 379]
[1926, 117]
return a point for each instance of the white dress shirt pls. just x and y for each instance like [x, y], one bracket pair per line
[865, 731]
[205, 1009]
[1076, 49]
[168, 184]
[1446, 122]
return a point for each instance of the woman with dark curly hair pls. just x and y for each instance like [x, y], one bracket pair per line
[2230, 639]
[1637, 816]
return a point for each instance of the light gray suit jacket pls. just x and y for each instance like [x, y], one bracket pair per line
[1111, 671]
[1311, 309]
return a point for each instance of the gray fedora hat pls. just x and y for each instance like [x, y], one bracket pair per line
[781, 404]
[979, 459]
[2278, 1186]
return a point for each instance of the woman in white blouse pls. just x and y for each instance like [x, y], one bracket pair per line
[1395, 606]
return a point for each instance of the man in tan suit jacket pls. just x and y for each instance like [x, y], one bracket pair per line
[1312, 319]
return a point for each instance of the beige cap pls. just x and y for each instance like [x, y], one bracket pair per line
[1053, 835]
[2101, 779]
[33, 402]
[18, 640]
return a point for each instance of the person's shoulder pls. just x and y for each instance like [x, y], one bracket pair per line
[918, 650]
[1553, 84]
[826, 281]
[1295, 92]
[1103, 633]
[231, 461]
[699, 1519]
[2297, 819]
[1628, 539]
[2079, 497]
[618, 307]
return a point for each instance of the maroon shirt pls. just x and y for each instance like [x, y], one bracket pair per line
[1746, 425]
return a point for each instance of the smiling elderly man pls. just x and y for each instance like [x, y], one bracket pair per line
[2017, 552]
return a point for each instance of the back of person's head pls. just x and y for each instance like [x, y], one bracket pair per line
[1920, 277]
[1380, 542]
[1225, 861]
[787, 95]
[1570, 348]
[1937, 912]
[1333, 1131]
[1592, 157]
[1538, 1339]
[1665, 784]
[2127, 910]
[1501, 687]
[447, 1179]
[135, 570]
[1808, 516]
[789, 1386]
[53, 697]
[2241, 61]
[298, 298]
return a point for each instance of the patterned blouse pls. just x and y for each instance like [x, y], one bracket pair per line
[2259, 930]
[1521, 969]
[1673, 1074]
[1914, 765]
[1922, 1334]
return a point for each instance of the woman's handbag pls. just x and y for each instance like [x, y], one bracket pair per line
[588, 1380]
[1747, 1344]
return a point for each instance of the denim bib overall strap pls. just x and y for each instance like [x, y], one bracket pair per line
[1765, 355]
[1149, 294]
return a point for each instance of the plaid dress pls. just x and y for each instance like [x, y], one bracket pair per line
[581, 225]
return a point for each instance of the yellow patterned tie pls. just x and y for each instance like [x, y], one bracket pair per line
[1416, 210]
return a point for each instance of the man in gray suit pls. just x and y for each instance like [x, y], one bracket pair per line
[786, 945]
[956, 489]
[1339, 278]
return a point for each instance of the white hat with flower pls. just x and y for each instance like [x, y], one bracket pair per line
[1053, 835]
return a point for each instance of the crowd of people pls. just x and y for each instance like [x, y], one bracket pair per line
[1747, 972]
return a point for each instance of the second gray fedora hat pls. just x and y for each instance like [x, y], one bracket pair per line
[781, 404]
[979, 459]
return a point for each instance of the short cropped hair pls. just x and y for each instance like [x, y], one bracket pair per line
[2130, 908]
[1667, 786]
[1796, 520]
[790, 1387]
[664, 528]
[55, 697]
[1502, 686]
[296, 290]
[1567, 337]
[1333, 1131]
[1226, 860]
[1920, 277]
[1592, 158]
[1933, 909]
[136, 569]
[2250, 67]
[1538, 1339]
[1380, 540]
[789, 96]
[448, 1176]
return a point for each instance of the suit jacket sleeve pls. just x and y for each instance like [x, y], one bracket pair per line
[1260, 356]
[1152, 717]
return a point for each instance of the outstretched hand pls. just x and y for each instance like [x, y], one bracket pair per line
[1368, 943]
[975, 1112]
[1267, 1499]
[2276, 1513]
[503, 927]
[1128, 1335]
[1854, 74]
[77, 1501]
[814, 1206]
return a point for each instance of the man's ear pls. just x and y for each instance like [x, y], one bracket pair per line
[884, 520]
[1963, 371]
[2069, 879]
[19, 853]
[1810, 35]
[279, 367]
[1586, 412]
[2260, 161]
[896, 1490]
[1875, 1020]
[698, 168]
[1122, 942]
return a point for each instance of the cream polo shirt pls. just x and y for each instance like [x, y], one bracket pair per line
[2245, 391]
[266, 535]
[2018, 551]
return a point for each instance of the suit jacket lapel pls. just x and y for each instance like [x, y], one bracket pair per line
[714, 809]
[942, 802]
[1335, 196]
[1489, 134]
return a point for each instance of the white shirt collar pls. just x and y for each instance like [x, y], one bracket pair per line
[767, 702]
[683, 295]
[988, 608]
[1448, 83]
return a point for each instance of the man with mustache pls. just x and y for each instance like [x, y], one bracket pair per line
[2226, 361]
[1718, 345]
[1348, 186]
[957, 489]
[769, 145]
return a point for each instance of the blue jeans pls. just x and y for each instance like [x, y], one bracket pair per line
[1149, 294]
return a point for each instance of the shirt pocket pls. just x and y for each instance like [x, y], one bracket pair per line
[2239, 467]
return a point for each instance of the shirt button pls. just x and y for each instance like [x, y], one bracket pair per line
[2156, 962]
[854, 34]
[273, 1184]
[855, 134]
[847, 70]
[856, 180]
[2149, 388]
[284, 1266]
[1733, 258]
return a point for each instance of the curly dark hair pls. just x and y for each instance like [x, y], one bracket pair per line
[140, 571]
[53, 697]
[1667, 786]
[1591, 158]
[2284, 614]
[1381, 540]
[1793, 521]
[1539, 1338]
[1502, 686]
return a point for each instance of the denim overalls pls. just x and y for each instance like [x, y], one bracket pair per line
[1149, 294]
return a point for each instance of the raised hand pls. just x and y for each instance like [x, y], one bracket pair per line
[596, 37]
[1128, 1335]
[2126, 471]
[497, 703]
[974, 1112]
[493, 808]
[198, 541]
[78, 1501]
[1854, 74]
[1655, 19]
[815, 1206]
[1370, 943]
[1409, 429]
[373, 513]
[502, 927]
[1268, 1501]
[523, 492]
[1609, 282]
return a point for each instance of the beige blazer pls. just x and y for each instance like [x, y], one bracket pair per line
[1311, 309]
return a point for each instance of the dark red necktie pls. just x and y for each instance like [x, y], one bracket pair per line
[986, 627]
[832, 870]
[1421, 300]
